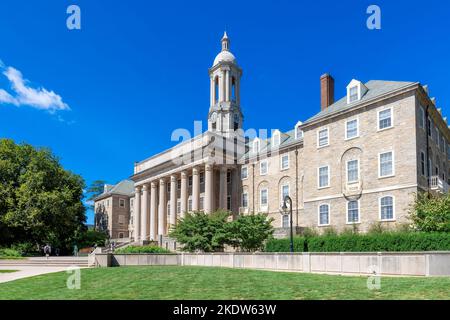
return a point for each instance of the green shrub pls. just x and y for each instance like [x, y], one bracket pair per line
[374, 242]
[9, 253]
[142, 249]
[250, 232]
[431, 213]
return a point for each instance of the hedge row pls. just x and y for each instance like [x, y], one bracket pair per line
[142, 249]
[406, 241]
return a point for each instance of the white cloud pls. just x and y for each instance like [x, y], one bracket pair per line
[24, 95]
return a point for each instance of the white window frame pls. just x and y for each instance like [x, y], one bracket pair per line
[346, 171]
[246, 170]
[378, 118]
[318, 177]
[318, 137]
[289, 220]
[286, 184]
[359, 213]
[393, 207]
[318, 215]
[296, 130]
[260, 167]
[256, 145]
[281, 161]
[349, 95]
[242, 200]
[379, 165]
[357, 129]
[121, 200]
[276, 139]
[263, 208]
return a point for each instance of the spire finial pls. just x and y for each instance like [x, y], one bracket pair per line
[225, 42]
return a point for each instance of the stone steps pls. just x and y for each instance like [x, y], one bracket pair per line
[51, 262]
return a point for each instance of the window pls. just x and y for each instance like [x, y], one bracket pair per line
[429, 168]
[421, 117]
[178, 206]
[263, 198]
[263, 168]
[384, 119]
[228, 176]
[121, 203]
[324, 215]
[202, 178]
[244, 173]
[322, 138]
[352, 171]
[351, 129]
[168, 187]
[285, 221]
[131, 203]
[422, 163]
[285, 161]
[298, 131]
[256, 145]
[284, 192]
[353, 94]
[107, 203]
[190, 205]
[436, 135]
[324, 177]
[442, 145]
[387, 208]
[430, 124]
[386, 164]
[228, 202]
[245, 200]
[276, 139]
[179, 184]
[202, 203]
[190, 181]
[121, 219]
[352, 212]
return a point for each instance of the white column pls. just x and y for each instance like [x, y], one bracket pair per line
[227, 85]
[153, 217]
[144, 213]
[173, 200]
[237, 90]
[209, 188]
[223, 188]
[184, 193]
[212, 91]
[162, 207]
[195, 189]
[137, 213]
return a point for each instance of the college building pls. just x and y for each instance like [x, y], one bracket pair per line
[359, 161]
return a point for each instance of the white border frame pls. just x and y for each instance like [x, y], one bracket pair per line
[392, 119]
[393, 165]
[295, 130]
[318, 214]
[264, 208]
[328, 137]
[422, 116]
[281, 161]
[242, 168]
[242, 200]
[318, 177]
[393, 208]
[260, 166]
[359, 212]
[281, 220]
[357, 128]
[281, 192]
[346, 172]
[124, 203]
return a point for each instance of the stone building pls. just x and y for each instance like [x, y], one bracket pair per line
[359, 161]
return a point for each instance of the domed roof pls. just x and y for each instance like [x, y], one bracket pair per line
[224, 56]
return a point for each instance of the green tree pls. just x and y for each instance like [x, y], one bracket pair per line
[199, 231]
[431, 213]
[90, 238]
[40, 202]
[94, 190]
[250, 232]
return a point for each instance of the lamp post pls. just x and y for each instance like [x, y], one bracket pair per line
[284, 207]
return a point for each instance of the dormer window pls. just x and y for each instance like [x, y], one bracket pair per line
[256, 145]
[298, 131]
[353, 94]
[355, 91]
[276, 138]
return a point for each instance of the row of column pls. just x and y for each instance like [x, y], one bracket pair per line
[156, 215]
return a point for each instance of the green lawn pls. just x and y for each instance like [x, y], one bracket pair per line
[218, 283]
[7, 271]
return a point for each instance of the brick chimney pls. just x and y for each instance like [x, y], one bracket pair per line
[326, 91]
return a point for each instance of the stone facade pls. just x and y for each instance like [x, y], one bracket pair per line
[358, 162]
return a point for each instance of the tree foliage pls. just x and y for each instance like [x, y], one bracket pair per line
[40, 202]
[199, 231]
[95, 189]
[431, 213]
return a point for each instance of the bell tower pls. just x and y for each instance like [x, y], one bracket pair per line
[225, 114]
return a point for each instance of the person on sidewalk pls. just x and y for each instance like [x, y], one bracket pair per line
[47, 250]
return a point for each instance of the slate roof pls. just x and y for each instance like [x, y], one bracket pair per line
[124, 187]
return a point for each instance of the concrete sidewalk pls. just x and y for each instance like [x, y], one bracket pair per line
[26, 272]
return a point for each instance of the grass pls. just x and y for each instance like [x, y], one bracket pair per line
[203, 283]
[7, 271]
[11, 258]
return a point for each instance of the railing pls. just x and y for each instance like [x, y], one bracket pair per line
[437, 184]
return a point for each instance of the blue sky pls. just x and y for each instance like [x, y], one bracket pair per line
[137, 70]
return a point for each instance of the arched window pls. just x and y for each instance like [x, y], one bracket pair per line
[276, 138]
[236, 121]
[324, 215]
[298, 131]
[256, 145]
[233, 89]
[216, 89]
[387, 208]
